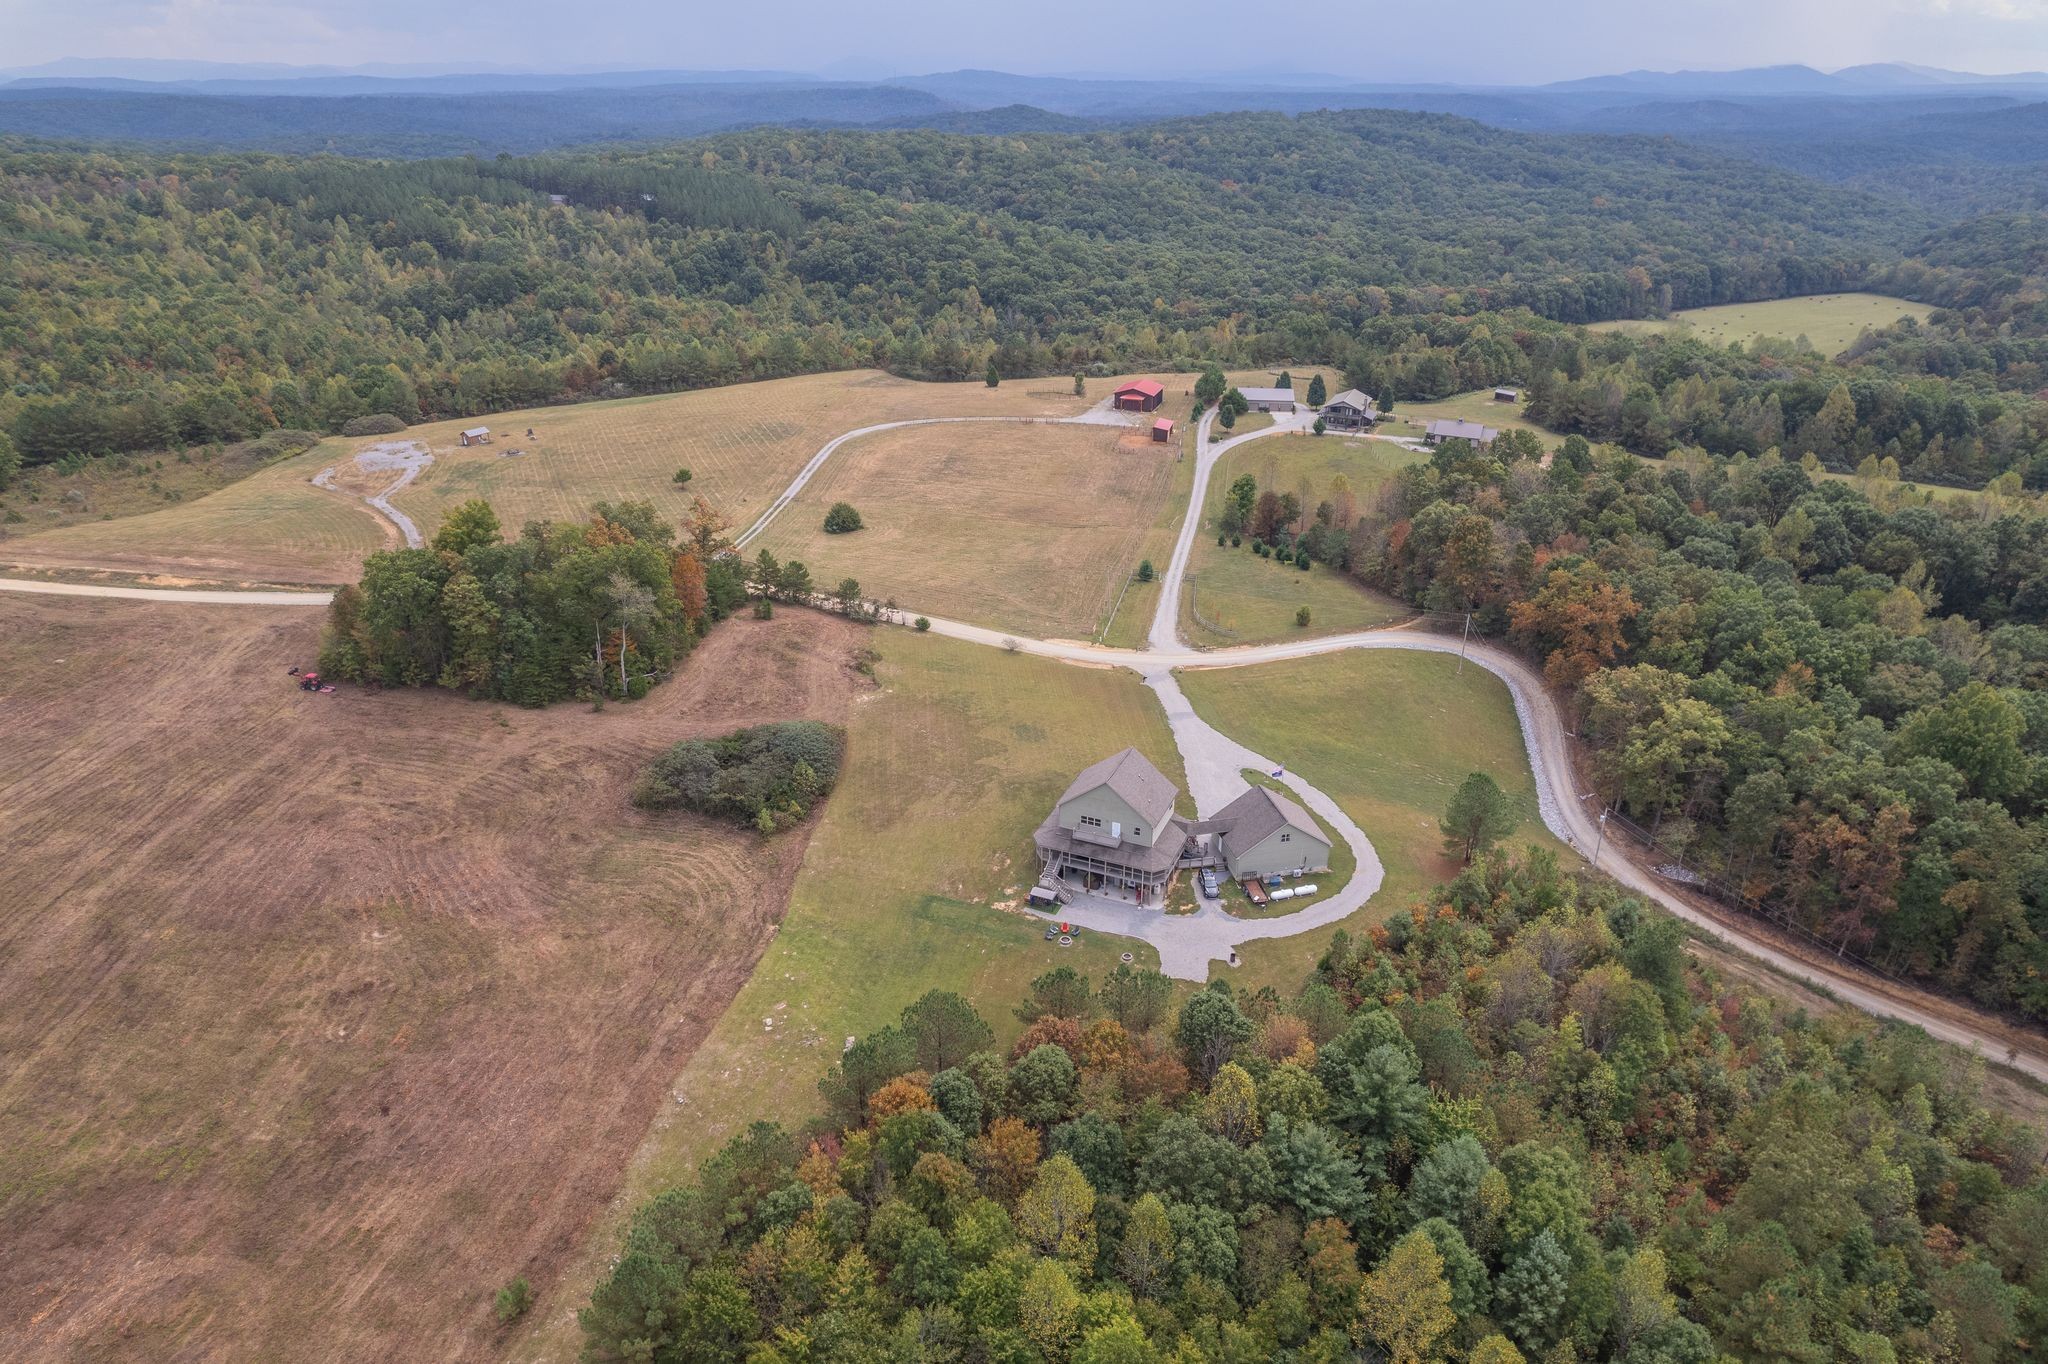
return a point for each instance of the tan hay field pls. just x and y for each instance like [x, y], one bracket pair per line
[1021, 527]
[742, 445]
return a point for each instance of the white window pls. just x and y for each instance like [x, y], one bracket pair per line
[1137, 831]
[1091, 821]
[1285, 837]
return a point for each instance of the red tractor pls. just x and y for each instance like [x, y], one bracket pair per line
[311, 682]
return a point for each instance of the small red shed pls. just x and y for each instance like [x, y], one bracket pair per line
[1140, 395]
[1162, 430]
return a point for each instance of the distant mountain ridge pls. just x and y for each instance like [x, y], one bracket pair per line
[1954, 142]
[979, 87]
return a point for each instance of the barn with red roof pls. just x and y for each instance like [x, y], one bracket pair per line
[1140, 395]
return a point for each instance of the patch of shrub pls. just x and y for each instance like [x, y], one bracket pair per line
[841, 519]
[513, 1300]
[271, 445]
[375, 424]
[923, 624]
[1145, 574]
[1301, 616]
[683, 476]
[777, 771]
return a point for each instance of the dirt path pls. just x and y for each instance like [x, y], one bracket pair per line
[408, 458]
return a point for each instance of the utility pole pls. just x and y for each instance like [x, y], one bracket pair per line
[1461, 645]
[1600, 840]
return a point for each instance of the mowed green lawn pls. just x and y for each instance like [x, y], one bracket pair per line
[1832, 322]
[1235, 597]
[1387, 735]
[1410, 419]
[950, 766]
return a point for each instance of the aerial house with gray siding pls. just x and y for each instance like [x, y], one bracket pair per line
[1114, 833]
[1350, 410]
[1446, 428]
[1115, 830]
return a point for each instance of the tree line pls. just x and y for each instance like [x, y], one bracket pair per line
[1516, 1124]
[1826, 693]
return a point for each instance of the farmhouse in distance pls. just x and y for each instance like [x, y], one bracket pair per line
[1351, 410]
[1448, 428]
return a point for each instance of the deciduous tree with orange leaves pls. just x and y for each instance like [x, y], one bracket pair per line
[1577, 619]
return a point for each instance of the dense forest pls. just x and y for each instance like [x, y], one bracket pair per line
[1516, 1124]
[1825, 693]
[151, 300]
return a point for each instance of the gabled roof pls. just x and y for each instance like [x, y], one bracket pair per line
[1351, 397]
[1151, 388]
[1260, 813]
[1448, 429]
[1163, 424]
[1142, 786]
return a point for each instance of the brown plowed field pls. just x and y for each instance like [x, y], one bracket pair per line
[323, 1017]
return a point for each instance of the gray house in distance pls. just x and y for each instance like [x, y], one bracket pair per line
[1114, 832]
[1269, 399]
[1443, 429]
[1350, 410]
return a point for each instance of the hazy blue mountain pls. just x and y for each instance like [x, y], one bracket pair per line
[429, 125]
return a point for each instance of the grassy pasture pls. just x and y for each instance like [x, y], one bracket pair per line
[742, 445]
[1021, 527]
[1830, 321]
[949, 768]
[272, 526]
[1386, 735]
[1253, 600]
[1410, 419]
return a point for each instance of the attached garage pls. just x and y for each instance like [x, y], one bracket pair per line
[1267, 834]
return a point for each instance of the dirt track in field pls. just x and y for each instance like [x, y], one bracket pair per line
[325, 1016]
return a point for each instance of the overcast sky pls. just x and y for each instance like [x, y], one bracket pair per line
[1503, 41]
